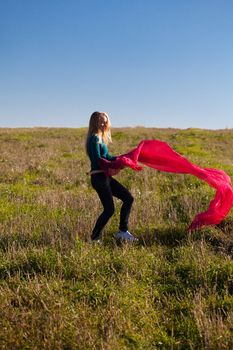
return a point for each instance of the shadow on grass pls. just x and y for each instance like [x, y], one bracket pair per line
[170, 236]
[220, 237]
[223, 236]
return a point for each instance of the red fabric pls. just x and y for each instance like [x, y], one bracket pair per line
[159, 155]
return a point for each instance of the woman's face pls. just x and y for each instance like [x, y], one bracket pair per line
[103, 123]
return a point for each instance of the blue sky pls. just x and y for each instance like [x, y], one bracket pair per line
[160, 63]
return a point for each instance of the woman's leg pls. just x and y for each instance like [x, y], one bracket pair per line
[101, 184]
[122, 193]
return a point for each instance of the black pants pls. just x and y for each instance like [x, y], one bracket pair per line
[107, 187]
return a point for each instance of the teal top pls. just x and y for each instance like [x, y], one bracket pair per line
[97, 149]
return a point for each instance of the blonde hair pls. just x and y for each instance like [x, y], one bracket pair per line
[95, 124]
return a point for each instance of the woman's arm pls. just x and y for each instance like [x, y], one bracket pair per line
[94, 153]
[109, 157]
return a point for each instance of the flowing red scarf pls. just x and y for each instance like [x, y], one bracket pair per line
[159, 155]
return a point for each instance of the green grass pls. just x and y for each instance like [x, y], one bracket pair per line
[171, 290]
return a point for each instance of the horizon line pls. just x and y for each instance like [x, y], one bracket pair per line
[114, 127]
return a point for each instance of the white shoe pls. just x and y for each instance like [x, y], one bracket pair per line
[96, 241]
[125, 236]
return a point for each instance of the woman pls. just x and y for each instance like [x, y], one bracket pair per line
[98, 137]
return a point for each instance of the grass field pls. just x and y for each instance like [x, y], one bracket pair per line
[171, 290]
